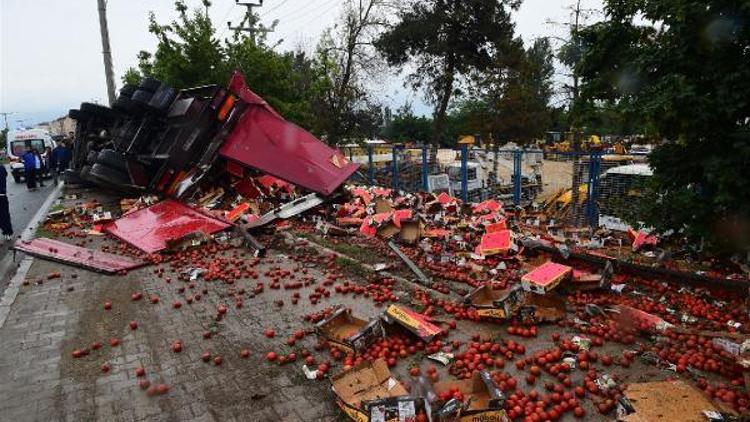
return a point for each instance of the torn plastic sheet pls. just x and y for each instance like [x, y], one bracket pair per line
[77, 256]
[151, 229]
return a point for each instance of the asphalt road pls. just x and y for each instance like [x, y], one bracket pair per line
[23, 207]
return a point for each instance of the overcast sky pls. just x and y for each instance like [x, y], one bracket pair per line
[50, 50]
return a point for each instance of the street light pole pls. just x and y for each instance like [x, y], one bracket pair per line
[106, 52]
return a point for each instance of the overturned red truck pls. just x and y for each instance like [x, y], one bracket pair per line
[156, 138]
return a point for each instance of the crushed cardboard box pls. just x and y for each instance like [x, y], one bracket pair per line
[415, 322]
[483, 400]
[361, 390]
[495, 303]
[663, 401]
[347, 332]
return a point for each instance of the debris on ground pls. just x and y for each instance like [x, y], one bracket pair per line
[90, 259]
[423, 306]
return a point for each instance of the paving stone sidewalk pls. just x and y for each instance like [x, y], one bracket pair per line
[42, 381]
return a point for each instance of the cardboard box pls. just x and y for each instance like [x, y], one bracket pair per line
[538, 308]
[388, 230]
[394, 409]
[663, 401]
[483, 400]
[415, 322]
[546, 277]
[368, 381]
[349, 333]
[411, 230]
[498, 242]
[495, 304]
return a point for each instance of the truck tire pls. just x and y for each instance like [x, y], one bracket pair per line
[141, 97]
[127, 90]
[16, 177]
[75, 114]
[107, 175]
[112, 159]
[96, 110]
[124, 104]
[91, 157]
[84, 173]
[149, 84]
[163, 98]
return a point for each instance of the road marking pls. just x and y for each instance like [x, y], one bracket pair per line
[11, 292]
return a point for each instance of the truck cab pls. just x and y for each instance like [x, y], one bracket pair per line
[18, 141]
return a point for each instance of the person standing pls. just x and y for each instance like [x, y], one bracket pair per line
[60, 159]
[29, 168]
[39, 167]
[52, 160]
[5, 224]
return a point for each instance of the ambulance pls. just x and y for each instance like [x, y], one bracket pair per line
[19, 140]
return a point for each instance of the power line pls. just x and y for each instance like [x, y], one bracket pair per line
[302, 9]
[273, 8]
[308, 22]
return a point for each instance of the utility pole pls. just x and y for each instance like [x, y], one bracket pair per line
[106, 52]
[576, 122]
[251, 28]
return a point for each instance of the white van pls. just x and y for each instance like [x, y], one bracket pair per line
[18, 140]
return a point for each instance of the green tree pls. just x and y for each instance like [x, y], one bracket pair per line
[682, 66]
[514, 96]
[445, 41]
[405, 126]
[189, 54]
[345, 59]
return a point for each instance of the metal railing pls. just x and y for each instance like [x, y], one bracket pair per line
[513, 176]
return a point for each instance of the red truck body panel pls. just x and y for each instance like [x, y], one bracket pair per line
[265, 141]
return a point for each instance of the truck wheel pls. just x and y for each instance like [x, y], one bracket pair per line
[91, 157]
[75, 114]
[149, 84]
[111, 158]
[84, 173]
[127, 90]
[16, 177]
[96, 110]
[142, 97]
[108, 176]
[124, 104]
[163, 98]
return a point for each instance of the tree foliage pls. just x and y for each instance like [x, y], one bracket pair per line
[682, 66]
[513, 96]
[189, 53]
[444, 41]
[346, 59]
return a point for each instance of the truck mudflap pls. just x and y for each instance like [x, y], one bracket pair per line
[265, 141]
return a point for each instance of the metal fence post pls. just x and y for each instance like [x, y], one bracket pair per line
[592, 213]
[465, 173]
[517, 162]
[370, 165]
[425, 169]
[394, 167]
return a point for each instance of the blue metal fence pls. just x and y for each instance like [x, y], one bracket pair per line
[470, 177]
